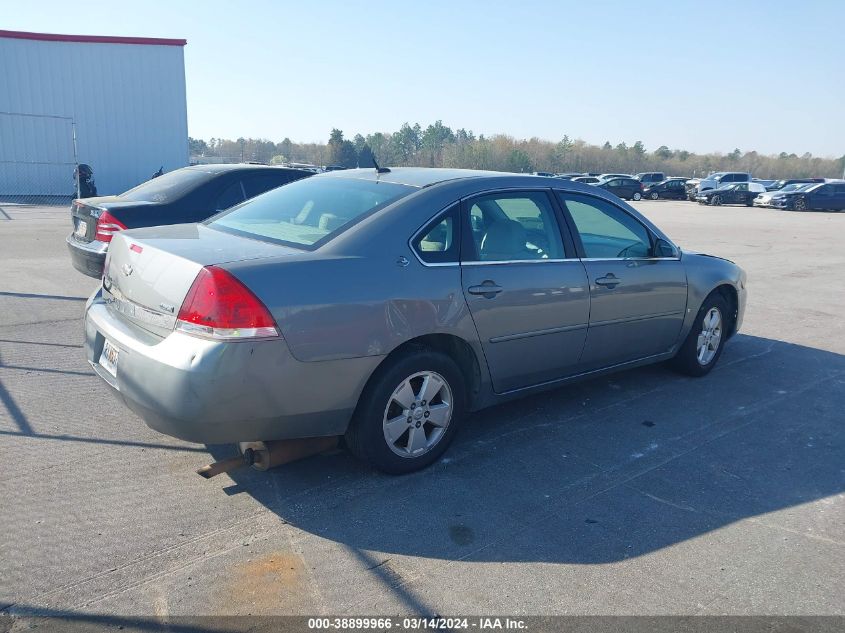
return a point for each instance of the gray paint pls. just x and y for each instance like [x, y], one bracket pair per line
[347, 305]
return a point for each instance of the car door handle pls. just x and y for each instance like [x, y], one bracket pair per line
[608, 281]
[488, 290]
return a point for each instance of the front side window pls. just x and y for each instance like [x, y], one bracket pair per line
[308, 212]
[519, 226]
[606, 231]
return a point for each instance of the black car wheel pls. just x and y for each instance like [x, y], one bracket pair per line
[716, 201]
[703, 345]
[654, 195]
[409, 412]
[800, 204]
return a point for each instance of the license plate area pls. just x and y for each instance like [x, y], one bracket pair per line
[109, 357]
[81, 230]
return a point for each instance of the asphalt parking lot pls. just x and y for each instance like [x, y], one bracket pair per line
[642, 493]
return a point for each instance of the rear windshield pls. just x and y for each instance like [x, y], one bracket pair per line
[310, 211]
[167, 187]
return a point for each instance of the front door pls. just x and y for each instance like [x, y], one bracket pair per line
[529, 298]
[638, 301]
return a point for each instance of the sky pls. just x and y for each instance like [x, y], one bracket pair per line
[701, 76]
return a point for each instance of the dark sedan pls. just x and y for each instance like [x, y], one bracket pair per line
[777, 185]
[824, 196]
[191, 194]
[671, 188]
[625, 188]
[734, 193]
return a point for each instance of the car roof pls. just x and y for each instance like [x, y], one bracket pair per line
[219, 168]
[417, 176]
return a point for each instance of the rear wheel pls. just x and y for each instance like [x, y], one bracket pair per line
[654, 195]
[408, 413]
[637, 195]
[703, 345]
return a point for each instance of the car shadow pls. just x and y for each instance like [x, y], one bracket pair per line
[598, 472]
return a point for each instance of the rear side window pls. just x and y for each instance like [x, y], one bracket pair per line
[439, 243]
[309, 212]
[256, 184]
[519, 226]
[233, 194]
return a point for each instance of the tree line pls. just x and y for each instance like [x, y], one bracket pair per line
[438, 145]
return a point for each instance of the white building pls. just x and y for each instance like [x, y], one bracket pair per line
[123, 97]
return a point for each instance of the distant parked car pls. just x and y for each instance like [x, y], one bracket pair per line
[609, 176]
[714, 181]
[626, 188]
[590, 180]
[650, 177]
[191, 194]
[765, 199]
[821, 196]
[545, 174]
[734, 193]
[569, 176]
[671, 188]
[780, 184]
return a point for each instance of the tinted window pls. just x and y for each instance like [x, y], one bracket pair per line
[309, 211]
[514, 227]
[840, 190]
[438, 242]
[255, 184]
[231, 195]
[826, 190]
[606, 231]
[168, 187]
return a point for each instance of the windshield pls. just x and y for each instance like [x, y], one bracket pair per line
[167, 187]
[306, 212]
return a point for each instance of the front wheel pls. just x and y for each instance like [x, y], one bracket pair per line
[654, 195]
[637, 196]
[409, 412]
[703, 346]
[800, 205]
[716, 201]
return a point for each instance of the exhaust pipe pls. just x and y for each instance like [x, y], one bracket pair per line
[266, 455]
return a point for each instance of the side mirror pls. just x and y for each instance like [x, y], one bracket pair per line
[662, 248]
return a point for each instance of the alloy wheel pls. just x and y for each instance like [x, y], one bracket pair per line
[710, 337]
[417, 414]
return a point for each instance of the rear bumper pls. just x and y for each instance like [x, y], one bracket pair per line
[215, 392]
[87, 257]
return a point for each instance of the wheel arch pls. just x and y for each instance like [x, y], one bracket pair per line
[457, 348]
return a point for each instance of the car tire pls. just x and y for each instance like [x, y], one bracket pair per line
[800, 205]
[637, 196]
[716, 201]
[654, 195]
[383, 429]
[703, 346]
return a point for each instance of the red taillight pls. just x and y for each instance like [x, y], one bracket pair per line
[107, 226]
[220, 306]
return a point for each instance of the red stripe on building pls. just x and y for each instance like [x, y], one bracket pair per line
[91, 39]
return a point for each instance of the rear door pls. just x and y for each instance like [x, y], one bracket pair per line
[822, 198]
[839, 197]
[638, 301]
[526, 289]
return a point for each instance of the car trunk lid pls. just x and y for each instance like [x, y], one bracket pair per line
[84, 213]
[150, 271]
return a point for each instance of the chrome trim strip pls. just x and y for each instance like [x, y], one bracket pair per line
[553, 330]
[630, 259]
[644, 317]
[518, 261]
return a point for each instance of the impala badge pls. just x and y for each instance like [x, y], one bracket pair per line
[127, 270]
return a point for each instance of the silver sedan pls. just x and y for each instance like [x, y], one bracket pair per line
[384, 305]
